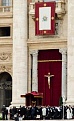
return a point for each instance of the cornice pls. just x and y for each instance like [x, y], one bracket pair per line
[49, 40]
[47, 44]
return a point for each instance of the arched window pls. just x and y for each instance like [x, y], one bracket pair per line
[5, 89]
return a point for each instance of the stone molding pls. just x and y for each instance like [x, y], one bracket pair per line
[6, 68]
[5, 56]
[41, 44]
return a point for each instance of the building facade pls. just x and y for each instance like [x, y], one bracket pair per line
[42, 63]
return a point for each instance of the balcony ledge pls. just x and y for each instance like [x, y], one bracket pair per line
[60, 9]
[6, 11]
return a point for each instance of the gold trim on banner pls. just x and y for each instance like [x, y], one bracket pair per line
[44, 4]
[44, 32]
[37, 19]
[49, 60]
[52, 18]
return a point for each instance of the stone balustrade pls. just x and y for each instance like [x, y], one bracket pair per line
[6, 11]
[60, 8]
[5, 8]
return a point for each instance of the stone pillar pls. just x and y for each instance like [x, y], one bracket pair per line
[70, 44]
[63, 51]
[19, 84]
[34, 71]
[29, 72]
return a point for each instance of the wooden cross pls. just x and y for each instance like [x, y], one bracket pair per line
[48, 76]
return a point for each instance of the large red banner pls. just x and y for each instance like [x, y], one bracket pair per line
[45, 18]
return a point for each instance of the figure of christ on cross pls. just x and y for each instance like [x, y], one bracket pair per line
[48, 76]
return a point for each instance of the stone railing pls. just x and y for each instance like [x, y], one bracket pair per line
[60, 8]
[5, 8]
[6, 11]
[32, 9]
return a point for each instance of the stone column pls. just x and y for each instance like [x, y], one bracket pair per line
[63, 51]
[19, 84]
[35, 71]
[70, 45]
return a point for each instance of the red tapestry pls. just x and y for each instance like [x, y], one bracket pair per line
[45, 18]
[51, 96]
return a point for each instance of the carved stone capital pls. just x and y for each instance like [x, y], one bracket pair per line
[34, 52]
[63, 51]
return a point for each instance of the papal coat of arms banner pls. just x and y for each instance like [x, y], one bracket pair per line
[45, 18]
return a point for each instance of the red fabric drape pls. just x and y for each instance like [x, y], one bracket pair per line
[43, 82]
[50, 96]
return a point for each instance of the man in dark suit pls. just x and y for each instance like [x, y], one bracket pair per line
[3, 112]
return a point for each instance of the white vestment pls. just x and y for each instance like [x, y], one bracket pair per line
[44, 111]
[69, 113]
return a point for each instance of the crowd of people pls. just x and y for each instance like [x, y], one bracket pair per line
[38, 112]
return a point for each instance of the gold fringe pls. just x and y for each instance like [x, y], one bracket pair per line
[49, 61]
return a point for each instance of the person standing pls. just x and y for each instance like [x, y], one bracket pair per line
[6, 114]
[44, 112]
[3, 112]
[69, 112]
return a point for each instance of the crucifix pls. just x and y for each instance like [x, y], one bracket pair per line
[48, 76]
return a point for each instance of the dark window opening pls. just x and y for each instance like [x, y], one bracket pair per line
[5, 89]
[8, 99]
[4, 31]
